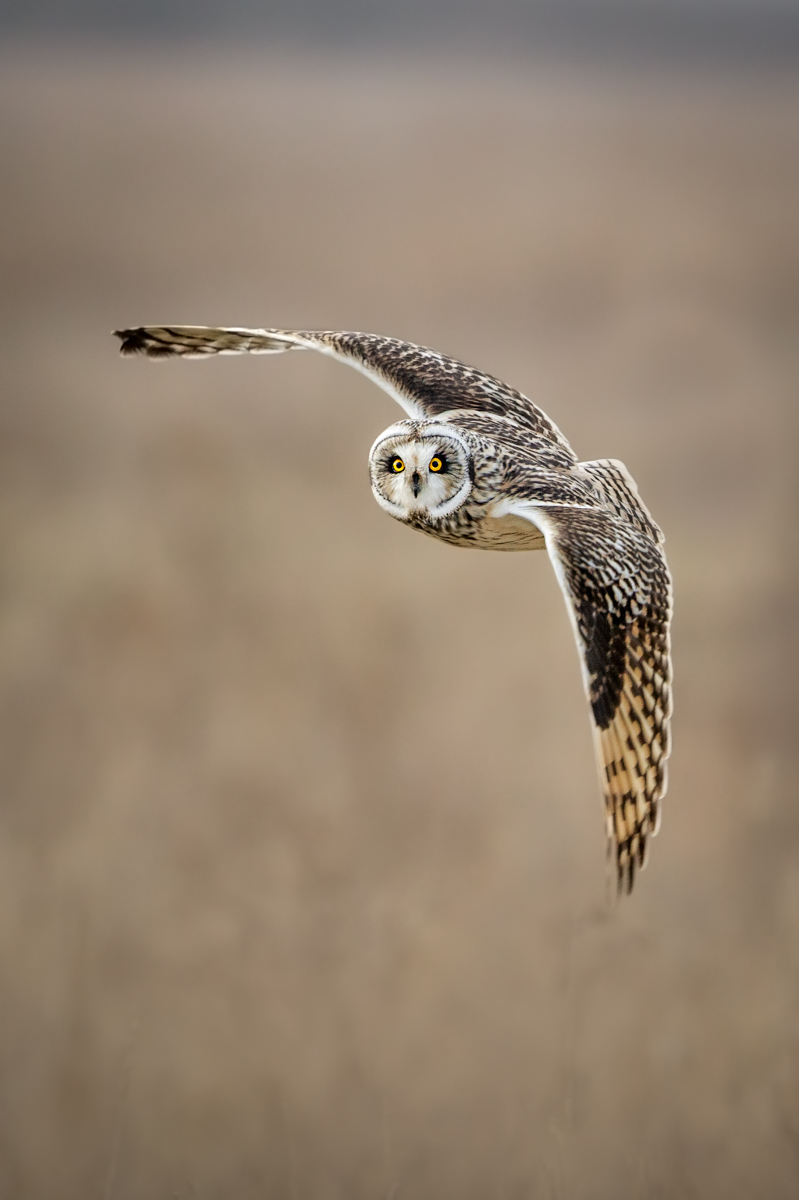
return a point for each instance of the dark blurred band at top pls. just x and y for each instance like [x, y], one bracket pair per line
[757, 31]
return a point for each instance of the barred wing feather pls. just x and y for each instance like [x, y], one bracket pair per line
[613, 574]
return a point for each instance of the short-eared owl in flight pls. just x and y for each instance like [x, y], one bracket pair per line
[477, 464]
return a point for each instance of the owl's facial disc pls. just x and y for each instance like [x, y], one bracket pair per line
[419, 467]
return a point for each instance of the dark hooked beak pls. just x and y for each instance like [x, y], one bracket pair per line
[416, 483]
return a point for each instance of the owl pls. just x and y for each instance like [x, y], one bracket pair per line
[476, 464]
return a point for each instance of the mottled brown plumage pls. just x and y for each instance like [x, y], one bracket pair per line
[479, 465]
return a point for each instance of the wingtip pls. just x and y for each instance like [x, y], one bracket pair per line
[135, 341]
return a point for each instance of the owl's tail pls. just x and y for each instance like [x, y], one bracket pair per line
[195, 341]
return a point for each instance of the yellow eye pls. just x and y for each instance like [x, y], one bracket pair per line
[397, 465]
[436, 464]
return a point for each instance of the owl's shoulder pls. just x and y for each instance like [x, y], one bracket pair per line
[503, 436]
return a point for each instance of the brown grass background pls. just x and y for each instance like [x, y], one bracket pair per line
[302, 878]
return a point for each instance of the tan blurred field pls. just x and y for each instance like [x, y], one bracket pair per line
[302, 876]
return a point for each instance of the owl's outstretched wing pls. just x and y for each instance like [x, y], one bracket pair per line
[612, 571]
[423, 382]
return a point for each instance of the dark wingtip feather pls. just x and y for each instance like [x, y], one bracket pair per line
[626, 864]
[133, 341]
[141, 341]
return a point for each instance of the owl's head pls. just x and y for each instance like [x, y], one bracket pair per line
[420, 468]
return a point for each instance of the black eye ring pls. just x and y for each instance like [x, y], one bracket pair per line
[397, 465]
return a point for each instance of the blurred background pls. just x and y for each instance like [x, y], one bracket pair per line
[302, 877]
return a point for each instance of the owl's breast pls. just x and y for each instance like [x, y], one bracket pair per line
[509, 533]
[472, 528]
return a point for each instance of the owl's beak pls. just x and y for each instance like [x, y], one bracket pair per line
[416, 483]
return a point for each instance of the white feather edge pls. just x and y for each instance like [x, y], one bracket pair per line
[537, 516]
[405, 402]
[291, 341]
